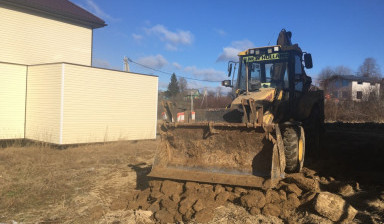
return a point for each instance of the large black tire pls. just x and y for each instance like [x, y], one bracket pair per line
[314, 129]
[291, 137]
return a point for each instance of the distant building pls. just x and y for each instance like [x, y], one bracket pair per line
[49, 90]
[188, 93]
[350, 87]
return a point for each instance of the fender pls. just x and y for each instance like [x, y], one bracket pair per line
[307, 102]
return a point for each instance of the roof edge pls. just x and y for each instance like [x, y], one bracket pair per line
[91, 24]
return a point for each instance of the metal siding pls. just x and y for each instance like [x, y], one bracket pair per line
[12, 100]
[44, 103]
[30, 39]
[103, 105]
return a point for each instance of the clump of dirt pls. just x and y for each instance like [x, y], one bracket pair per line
[176, 201]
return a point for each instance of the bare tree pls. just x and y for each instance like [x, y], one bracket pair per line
[211, 93]
[325, 74]
[370, 68]
[218, 91]
[342, 71]
[182, 84]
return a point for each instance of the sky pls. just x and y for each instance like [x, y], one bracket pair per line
[195, 39]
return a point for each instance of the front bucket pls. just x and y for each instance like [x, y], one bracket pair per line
[231, 154]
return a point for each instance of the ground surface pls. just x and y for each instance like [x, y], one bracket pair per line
[107, 183]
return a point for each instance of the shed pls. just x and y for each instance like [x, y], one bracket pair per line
[49, 90]
[350, 87]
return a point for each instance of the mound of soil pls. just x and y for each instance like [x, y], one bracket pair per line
[175, 201]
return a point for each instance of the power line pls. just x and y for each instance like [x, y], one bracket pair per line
[168, 73]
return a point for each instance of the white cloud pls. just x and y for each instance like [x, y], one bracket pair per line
[242, 44]
[230, 53]
[220, 32]
[137, 37]
[170, 47]
[163, 85]
[95, 9]
[172, 39]
[157, 61]
[176, 65]
[101, 63]
[206, 74]
[192, 84]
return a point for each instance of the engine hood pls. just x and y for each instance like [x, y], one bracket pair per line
[264, 95]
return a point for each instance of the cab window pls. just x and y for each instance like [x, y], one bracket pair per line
[298, 65]
[298, 73]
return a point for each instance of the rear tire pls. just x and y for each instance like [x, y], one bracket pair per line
[314, 128]
[293, 148]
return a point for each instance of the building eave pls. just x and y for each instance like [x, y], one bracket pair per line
[55, 14]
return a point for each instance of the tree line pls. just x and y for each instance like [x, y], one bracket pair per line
[175, 87]
[369, 69]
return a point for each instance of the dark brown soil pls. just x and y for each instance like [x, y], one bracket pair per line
[346, 168]
[108, 183]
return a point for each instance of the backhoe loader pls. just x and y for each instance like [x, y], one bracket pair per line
[275, 116]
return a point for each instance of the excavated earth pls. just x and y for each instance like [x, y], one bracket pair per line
[343, 184]
[109, 183]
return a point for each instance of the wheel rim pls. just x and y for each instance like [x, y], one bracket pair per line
[301, 147]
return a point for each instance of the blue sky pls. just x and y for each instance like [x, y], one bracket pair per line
[196, 38]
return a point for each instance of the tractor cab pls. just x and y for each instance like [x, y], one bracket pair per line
[278, 67]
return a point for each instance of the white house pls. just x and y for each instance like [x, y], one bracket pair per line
[351, 87]
[49, 90]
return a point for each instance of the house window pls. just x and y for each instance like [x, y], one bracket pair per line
[372, 84]
[345, 83]
[337, 83]
[359, 95]
[360, 82]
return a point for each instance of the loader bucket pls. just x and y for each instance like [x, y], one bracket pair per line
[224, 153]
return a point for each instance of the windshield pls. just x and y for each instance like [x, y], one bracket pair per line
[263, 75]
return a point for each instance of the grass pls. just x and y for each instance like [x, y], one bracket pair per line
[349, 111]
[38, 177]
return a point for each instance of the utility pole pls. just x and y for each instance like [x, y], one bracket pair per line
[191, 102]
[126, 64]
[204, 95]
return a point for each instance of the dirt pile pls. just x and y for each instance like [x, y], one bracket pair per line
[172, 201]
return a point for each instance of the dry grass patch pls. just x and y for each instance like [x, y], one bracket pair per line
[67, 184]
[350, 111]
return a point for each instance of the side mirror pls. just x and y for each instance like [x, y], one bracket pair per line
[229, 70]
[226, 83]
[308, 60]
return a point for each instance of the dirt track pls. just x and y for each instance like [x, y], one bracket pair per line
[108, 184]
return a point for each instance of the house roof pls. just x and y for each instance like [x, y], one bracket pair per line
[193, 91]
[356, 78]
[62, 9]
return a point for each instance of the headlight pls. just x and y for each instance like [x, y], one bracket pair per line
[276, 48]
[269, 50]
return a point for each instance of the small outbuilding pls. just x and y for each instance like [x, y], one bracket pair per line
[49, 90]
[350, 87]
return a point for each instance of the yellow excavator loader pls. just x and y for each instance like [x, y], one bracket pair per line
[263, 134]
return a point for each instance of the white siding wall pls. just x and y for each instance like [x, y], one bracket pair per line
[366, 88]
[103, 105]
[12, 100]
[30, 39]
[70, 104]
[43, 113]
